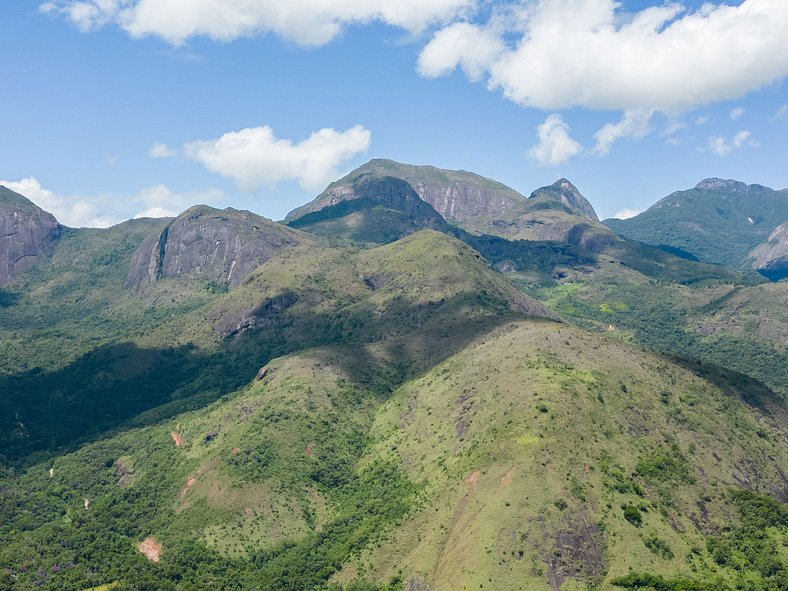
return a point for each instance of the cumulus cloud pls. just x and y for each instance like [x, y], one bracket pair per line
[555, 144]
[736, 113]
[634, 124]
[159, 150]
[701, 120]
[71, 210]
[625, 214]
[307, 22]
[254, 157]
[719, 145]
[557, 54]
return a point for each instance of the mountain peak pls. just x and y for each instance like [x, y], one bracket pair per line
[564, 191]
[712, 184]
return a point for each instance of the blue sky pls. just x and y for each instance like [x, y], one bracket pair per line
[116, 108]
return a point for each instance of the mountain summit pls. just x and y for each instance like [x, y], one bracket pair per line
[565, 192]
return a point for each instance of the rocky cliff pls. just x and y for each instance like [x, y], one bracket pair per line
[27, 233]
[221, 246]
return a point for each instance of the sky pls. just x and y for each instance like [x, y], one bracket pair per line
[113, 109]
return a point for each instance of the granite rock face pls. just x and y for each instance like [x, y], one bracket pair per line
[27, 233]
[771, 257]
[456, 195]
[565, 192]
[219, 246]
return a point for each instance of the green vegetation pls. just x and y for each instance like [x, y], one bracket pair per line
[396, 417]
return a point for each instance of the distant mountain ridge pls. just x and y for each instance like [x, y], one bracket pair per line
[718, 221]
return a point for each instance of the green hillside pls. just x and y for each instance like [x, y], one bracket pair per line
[361, 413]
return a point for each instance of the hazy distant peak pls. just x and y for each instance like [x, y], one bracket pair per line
[714, 183]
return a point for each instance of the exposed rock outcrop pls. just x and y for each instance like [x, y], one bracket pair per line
[220, 246]
[27, 233]
[565, 192]
[771, 257]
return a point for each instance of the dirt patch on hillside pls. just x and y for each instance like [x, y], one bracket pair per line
[176, 437]
[506, 479]
[471, 478]
[150, 548]
[309, 450]
[189, 484]
[235, 451]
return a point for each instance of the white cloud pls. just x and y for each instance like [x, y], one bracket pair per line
[720, 146]
[463, 45]
[254, 157]
[307, 22]
[555, 145]
[70, 210]
[701, 120]
[625, 214]
[634, 124]
[562, 53]
[736, 113]
[102, 211]
[159, 150]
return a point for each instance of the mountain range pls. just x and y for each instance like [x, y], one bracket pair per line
[422, 380]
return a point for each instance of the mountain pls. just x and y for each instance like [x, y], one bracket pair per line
[718, 221]
[367, 209]
[220, 246]
[565, 192]
[544, 236]
[771, 257]
[27, 234]
[356, 413]
[456, 195]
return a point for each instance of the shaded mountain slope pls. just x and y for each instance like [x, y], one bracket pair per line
[717, 221]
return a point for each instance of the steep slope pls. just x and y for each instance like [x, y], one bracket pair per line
[27, 233]
[545, 467]
[218, 246]
[504, 456]
[718, 221]
[771, 257]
